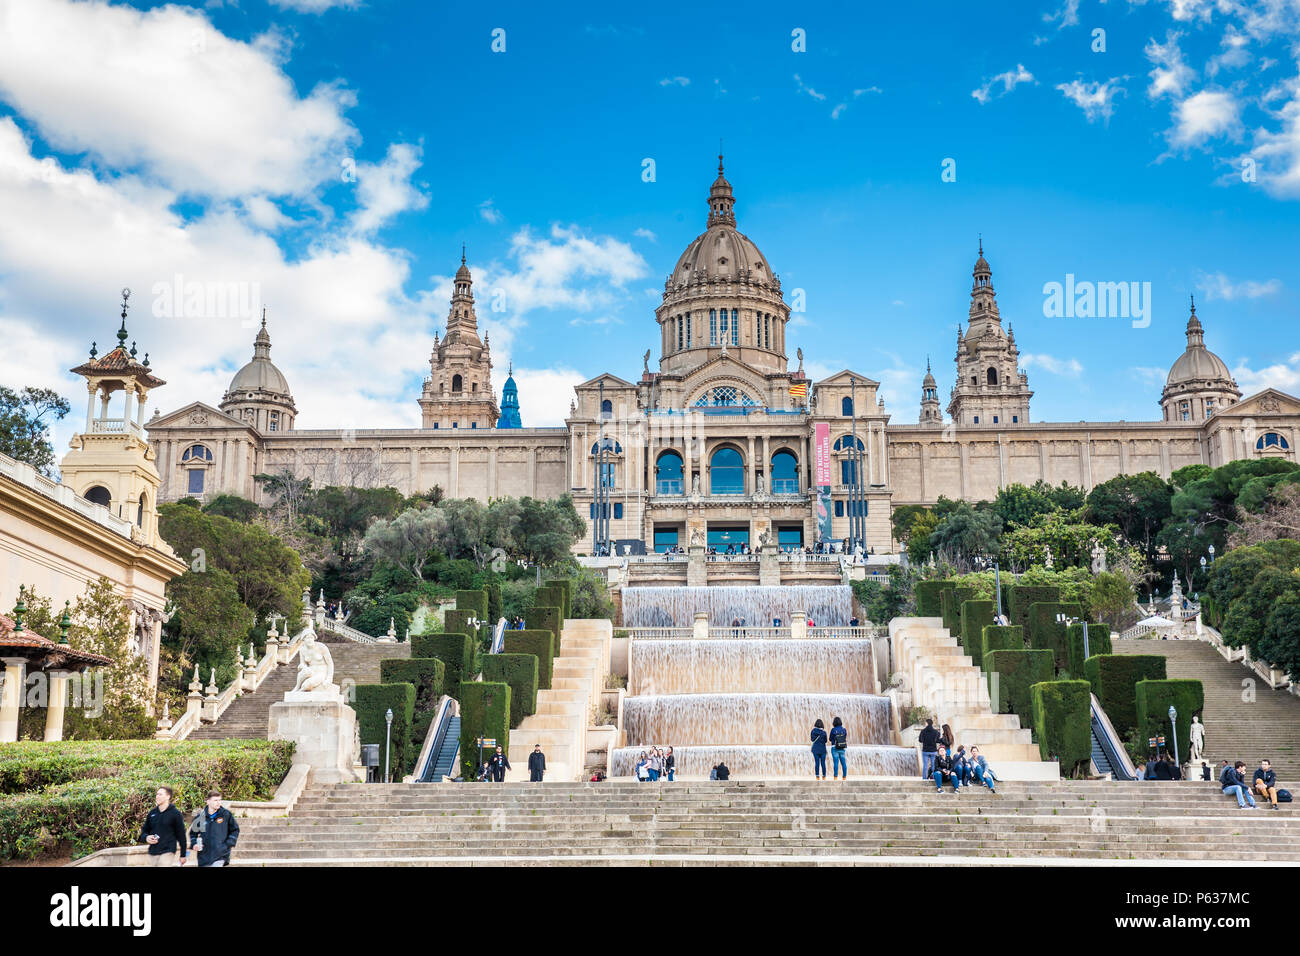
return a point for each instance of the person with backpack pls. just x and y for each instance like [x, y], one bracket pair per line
[929, 741]
[213, 833]
[1265, 782]
[839, 749]
[819, 749]
[670, 765]
[1233, 781]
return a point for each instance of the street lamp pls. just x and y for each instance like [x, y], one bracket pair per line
[1062, 619]
[388, 741]
[1211, 554]
[1173, 726]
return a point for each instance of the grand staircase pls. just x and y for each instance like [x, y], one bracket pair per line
[863, 821]
[564, 711]
[247, 717]
[1268, 726]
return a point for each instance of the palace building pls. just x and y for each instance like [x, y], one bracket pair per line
[718, 443]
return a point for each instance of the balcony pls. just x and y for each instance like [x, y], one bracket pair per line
[670, 486]
[785, 486]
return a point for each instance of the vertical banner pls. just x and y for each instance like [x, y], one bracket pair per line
[822, 464]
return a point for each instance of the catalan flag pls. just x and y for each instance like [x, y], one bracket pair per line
[799, 389]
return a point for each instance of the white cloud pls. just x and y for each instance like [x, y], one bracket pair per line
[1278, 150]
[545, 394]
[1068, 15]
[1216, 285]
[1205, 115]
[1009, 81]
[384, 189]
[164, 92]
[1284, 376]
[490, 213]
[804, 88]
[1068, 367]
[1151, 376]
[1171, 75]
[675, 81]
[645, 234]
[1095, 99]
[316, 6]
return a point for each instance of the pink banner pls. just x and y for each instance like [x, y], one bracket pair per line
[822, 453]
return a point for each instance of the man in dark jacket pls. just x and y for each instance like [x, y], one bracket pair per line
[536, 764]
[1233, 781]
[945, 768]
[498, 764]
[1265, 782]
[164, 831]
[723, 772]
[214, 832]
[929, 746]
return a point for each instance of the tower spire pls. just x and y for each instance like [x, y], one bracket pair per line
[122, 333]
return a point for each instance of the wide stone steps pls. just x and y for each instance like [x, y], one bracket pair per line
[763, 822]
[1235, 729]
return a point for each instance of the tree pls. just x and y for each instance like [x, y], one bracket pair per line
[25, 418]
[1139, 505]
[101, 625]
[288, 490]
[1111, 599]
[409, 539]
[1277, 517]
[1280, 645]
[967, 532]
[917, 538]
[1017, 505]
[233, 507]
[208, 623]
[902, 517]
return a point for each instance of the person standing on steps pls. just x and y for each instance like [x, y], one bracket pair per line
[929, 741]
[214, 832]
[164, 830]
[536, 764]
[1233, 781]
[498, 764]
[670, 765]
[819, 749]
[1265, 782]
[948, 739]
[839, 749]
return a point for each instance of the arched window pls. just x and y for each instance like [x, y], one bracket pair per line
[846, 407]
[98, 495]
[668, 474]
[1271, 440]
[993, 376]
[610, 446]
[197, 453]
[139, 512]
[726, 473]
[456, 383]
[785, 474]
[606, 409]
[845, 443]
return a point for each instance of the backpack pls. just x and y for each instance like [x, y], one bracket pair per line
[839, 738]
[1284, 796]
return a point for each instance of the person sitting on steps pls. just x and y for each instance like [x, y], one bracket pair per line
[1265, 782]
[980, 770]
[944, 768]
[1233, 782]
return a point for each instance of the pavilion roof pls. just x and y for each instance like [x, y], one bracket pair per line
[42, 653]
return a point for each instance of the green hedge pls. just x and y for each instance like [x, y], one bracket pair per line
[1098, 643]
[85, 795]
[975, 616]
[427, 675]
[476, 601]
[484, 712]
[1017, 671]
[1020, 597]
[1153, 700]
[549, 596]
[1045, 631]
[950, 602]
[494, 604]
[565, 585]
[1063, 724]
[541, 644]
[455, 650]
[927, 598]
[1001, 637]
[372, 703]
[520, 672]
[545, 618]
[458, 621]
[1114, 680]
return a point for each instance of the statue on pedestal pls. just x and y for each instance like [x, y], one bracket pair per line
[695, 484]
[1198, 739]
[1047, 562]
[1098, 558]
[315, 667]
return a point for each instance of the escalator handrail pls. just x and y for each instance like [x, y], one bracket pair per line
[434, 740]
[1120, 764]
[499, 636]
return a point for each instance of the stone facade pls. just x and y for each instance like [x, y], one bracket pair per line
[716, 444]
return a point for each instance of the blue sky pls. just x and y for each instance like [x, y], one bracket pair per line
[332, 157]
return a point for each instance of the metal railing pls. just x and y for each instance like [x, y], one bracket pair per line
[752, 633]
[785, 486]
[1112, 746]
[669, 486]
[498, 637]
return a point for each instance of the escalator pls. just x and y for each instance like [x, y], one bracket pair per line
[445, 763]
[1108, 753]
[438, 756]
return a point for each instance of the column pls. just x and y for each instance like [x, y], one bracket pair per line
[532, 472]
[749, 489]
[688, 459]
[90, 404]
[453, 470]
[492, 490]
[57, 701]
[767, 464]
[126, 412]
[11, 697]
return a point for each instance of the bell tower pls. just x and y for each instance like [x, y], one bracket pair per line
[111, 463]
[458, 392]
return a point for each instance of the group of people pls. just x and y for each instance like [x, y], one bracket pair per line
[212, 833]
[838, 743]
[654, 764]
[494, 770]
[516, 623]
[943, 760]
[1264, 783]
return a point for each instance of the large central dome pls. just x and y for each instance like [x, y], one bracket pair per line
[722, 296]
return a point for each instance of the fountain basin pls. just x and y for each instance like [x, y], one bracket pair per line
[738, 719]
[751, 762]
[750, 666]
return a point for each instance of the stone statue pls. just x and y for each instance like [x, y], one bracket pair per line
[799, 353]
[697, 538]
[1047, 563]
[695, 484]
[315, 666]
[763, 539]
[646, 359]
[1098, 558]
[1198, 739]
[760, 488]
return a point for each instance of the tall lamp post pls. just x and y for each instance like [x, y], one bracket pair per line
[1067, 621]
[388, 740]
[1173, 736]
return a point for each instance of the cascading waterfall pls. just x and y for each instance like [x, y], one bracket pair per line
[750, 667]
[777, 718]
[757, 605]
